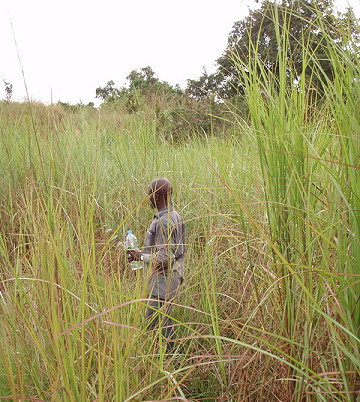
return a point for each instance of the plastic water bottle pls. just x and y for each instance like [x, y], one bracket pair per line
[131, 243]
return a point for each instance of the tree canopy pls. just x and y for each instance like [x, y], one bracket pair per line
[139, 83]
[288, 28]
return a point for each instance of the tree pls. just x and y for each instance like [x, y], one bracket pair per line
[142, 79]
[285, 28]
[8, 91]
[143, 83]
[204, 87]
[108, 93]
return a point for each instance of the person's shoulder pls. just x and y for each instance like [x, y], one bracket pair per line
[163, 218]
[176, 218]
[169, 217]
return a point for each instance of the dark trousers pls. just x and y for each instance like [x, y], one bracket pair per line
[156, 318]
[163, 288]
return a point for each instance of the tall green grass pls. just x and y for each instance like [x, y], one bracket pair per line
[270, 305]
[310, 174]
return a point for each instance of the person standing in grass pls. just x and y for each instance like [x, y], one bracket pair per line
[164, 255]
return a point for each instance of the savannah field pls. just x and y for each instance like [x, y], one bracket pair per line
[270, 197]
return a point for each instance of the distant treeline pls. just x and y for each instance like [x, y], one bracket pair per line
[299, 30]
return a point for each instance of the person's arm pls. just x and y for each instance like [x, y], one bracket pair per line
[159, 259]
[137, 255]
[134, 255]
[163, 251]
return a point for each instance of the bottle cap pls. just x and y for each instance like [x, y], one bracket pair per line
[129, 232]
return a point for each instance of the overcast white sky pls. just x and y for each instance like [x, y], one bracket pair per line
[70, 47]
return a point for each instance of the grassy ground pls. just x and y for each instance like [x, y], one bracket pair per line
[270, 306]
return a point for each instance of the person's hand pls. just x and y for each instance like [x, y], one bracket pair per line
[134, 255]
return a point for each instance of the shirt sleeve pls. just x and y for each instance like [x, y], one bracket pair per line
[146, 258]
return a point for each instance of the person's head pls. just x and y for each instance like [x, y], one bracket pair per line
[160, 191]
